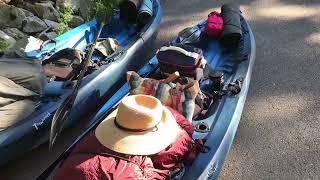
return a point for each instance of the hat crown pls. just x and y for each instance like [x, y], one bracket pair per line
[139, 112]
[130, 129]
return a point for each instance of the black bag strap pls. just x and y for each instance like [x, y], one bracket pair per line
[70, 54]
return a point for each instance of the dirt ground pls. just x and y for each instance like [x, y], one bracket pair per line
[279, 135]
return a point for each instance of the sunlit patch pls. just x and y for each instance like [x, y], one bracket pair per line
[288, 12]
[280, 107]
[314, 38]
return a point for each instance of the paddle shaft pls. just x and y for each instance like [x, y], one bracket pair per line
[63, 111]
[87, 59]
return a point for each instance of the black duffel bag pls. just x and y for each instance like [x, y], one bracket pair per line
[63, 65]
[129, 10]
[232, 32]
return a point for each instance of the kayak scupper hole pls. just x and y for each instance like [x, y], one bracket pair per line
[202, 127]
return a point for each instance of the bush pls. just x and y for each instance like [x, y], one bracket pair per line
[64, 20]
[3, 45]
[102, 8]
[97, 9]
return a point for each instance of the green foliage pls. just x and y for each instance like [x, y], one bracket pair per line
[102, 9]
[3, 45]
[64, 20]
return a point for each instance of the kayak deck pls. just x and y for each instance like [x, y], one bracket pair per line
[223, 116]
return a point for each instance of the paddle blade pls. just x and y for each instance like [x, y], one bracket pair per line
[58, 119]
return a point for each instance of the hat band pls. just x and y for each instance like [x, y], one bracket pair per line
[134, 130]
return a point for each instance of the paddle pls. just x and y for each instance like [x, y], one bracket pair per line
[64, 109]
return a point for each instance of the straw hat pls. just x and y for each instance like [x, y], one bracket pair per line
[141, 126]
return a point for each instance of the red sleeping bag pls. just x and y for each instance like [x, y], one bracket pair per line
[90, 160]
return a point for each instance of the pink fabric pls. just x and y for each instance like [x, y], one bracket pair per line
[214, 24]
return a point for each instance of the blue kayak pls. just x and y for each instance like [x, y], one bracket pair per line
[219, 125]
[95, 88]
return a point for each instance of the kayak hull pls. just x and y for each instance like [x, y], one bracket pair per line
[209, 165]
[95, 88]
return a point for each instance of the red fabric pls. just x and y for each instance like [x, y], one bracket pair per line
[214, 24]
[182, 121]
[86, 161]
[183, 150]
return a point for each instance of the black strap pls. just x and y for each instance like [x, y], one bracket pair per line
[235, 87]
[177, 172]
[55, 41]
[134, 130]
[201, 147]
[67, 53]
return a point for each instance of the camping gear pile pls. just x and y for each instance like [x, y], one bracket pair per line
[151, 134]
[144, 140]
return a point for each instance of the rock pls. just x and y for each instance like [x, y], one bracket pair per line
[15, 33]
[47, 1]
[52, 24]
[6, 42]
[76, 21]
[27, 13]
[33, 24]
[4, 1]
[27, 45]
[15, 2]
[84, 8]
[75, 4]
[46, 11]
[47, 36]
[27, 8]
[11, 16]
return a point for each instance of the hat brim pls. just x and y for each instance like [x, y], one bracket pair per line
[138, 143]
